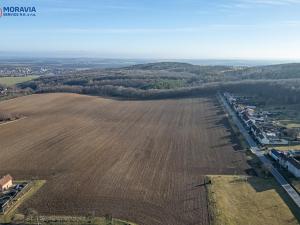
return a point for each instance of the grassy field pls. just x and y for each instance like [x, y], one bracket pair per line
[235, 200]
[9, 81]
[286, 148]
[289, 116]
[290, 123]
[142, 161]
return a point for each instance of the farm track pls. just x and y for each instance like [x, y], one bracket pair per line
[138, 160]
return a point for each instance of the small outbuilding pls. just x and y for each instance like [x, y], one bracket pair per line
[6, 182]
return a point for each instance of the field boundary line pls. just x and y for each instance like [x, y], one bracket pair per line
[2, 124]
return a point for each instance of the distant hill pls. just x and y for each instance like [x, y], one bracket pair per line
[181, 67]
[224, 73]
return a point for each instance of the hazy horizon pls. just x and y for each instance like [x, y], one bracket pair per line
[120, 62]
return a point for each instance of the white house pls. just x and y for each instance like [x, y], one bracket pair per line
[275, 154]
[262, 138]
[293, 166]
[287, 161]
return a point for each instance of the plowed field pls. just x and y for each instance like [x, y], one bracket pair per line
[142, 161]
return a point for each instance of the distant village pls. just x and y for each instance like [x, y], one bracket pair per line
[19, 71]
[265, 130]
[261, 124]
[24, 70]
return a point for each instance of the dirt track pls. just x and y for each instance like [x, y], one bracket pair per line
[139, 160]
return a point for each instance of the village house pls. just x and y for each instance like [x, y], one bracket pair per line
[263, 129]
[230, 98]
[276, 155]
[287, 161]
[293, 166]
[262, 138]
[298, 136]
[6, 182]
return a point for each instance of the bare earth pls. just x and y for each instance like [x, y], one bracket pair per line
[142, 161]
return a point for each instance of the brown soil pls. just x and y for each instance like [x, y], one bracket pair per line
[143, 161]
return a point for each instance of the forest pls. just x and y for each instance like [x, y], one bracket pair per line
[174, 80]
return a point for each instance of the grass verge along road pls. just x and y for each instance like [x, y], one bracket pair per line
[236, 200]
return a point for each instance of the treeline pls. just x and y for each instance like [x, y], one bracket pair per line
[13, 92]
[5, 116]
[272, 72]
[132, 93]
[273, 92]
[226, 73]
[281, 91]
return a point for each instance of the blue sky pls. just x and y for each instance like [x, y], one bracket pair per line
[177, 29]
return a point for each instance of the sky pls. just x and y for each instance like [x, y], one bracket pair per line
[177, 29]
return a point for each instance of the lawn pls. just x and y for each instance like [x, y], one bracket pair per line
[286, 148]
[236, 200]
[290, 123]
[9, 81]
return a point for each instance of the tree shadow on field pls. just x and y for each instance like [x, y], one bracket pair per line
[234, 141]
[224, 122]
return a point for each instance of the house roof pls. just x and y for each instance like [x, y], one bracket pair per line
[285, 157]
[276, 153]
[294, 162]
[251, 123]
[255, 128]
[245, 117]
[5, 179]
[261, 136]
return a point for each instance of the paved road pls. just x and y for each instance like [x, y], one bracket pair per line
[260, 154]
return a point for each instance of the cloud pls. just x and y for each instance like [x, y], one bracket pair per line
[255, 3]
[292, 23]
[270, 2]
